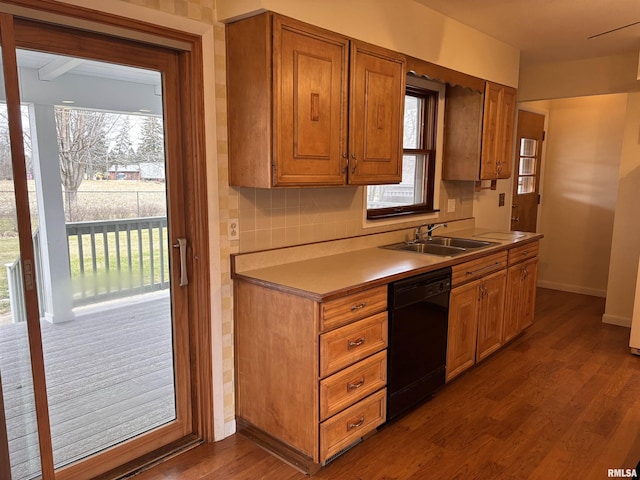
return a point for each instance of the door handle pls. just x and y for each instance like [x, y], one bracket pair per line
[181, 243]
[515, 219]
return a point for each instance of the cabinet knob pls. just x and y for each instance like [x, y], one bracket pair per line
[355, 163]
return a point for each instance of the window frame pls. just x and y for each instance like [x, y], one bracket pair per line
[428, 136]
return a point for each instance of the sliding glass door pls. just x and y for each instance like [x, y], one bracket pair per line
[19, 445]
[94, 292]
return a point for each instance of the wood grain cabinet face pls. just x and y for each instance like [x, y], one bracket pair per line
[376, 115]
[491, 314]
[497, 131]
[309, 101]
[293, 130]
[476, 318]
[479, 140]
[310, 376]
[351, 343]
[464, 304]
[521, 297]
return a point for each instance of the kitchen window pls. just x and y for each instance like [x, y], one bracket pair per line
[415, 193]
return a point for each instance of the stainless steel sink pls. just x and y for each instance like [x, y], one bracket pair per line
[458, 242]
[441, 246]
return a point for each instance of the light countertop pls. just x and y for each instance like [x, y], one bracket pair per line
[331, 276]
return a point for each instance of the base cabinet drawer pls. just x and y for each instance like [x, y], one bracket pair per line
[352, 384]
[342, 311]
[356, 421]
[351, 343]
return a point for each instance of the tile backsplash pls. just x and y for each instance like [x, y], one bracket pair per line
[273, 218]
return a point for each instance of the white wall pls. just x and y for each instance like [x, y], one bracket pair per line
[401, 25]
[486, 209]
[584, 142]
[626, 229]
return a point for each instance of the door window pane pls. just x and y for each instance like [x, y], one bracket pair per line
[16, 393]
[98, 172]
[527, 166]
[528, 147]
[526, 185]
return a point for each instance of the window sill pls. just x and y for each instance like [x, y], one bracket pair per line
[409, 218]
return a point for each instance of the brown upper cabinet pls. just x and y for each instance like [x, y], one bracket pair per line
[309, 107]
[479, 133]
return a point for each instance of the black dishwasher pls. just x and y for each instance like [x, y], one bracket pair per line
[417, 352]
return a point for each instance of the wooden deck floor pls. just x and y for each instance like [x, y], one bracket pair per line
[561, 401]
[109, 377]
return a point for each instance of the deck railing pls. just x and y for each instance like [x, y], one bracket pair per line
[117, 258]
[108, 259]
[16, 291]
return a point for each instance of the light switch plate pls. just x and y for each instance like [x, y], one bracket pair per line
[234, 229]
[451, 205]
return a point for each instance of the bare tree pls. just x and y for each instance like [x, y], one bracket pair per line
[80, 133]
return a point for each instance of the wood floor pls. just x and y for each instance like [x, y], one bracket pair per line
[562, 401]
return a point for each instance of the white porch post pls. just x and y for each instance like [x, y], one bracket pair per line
[57, 295]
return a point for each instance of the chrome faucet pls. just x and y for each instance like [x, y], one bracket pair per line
[430, 228]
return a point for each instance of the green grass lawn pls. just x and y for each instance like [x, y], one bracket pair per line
[97, 200]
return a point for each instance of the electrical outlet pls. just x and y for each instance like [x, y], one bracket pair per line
[451, 205]
[234, 229]
[501, 200]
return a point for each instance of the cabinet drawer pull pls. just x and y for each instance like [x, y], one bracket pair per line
[355, 343]
[497, 264]
[356, 385]
[359, 423]
[358, 307]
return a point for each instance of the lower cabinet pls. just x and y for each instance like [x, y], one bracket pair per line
[493, 300]
[476, 313]
[464, 304]
[491, 314]
[521, 297]
[310, 376]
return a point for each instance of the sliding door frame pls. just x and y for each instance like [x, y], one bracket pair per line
[186, 167]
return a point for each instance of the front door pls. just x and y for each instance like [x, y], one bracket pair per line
[94, 335]
[524, 207]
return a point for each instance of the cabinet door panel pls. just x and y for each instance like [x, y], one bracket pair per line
[528, 293]
[310, 101]
[377, 110]
[488, 167]
[505, 144]
[512, 303]
[463, 317]
[490, 320]
[521, 298]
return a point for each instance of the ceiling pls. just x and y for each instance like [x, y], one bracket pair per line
[52, 66]
[551, 30]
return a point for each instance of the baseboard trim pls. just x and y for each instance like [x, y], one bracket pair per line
[616, 320]
[565, 287]
[285, 452]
